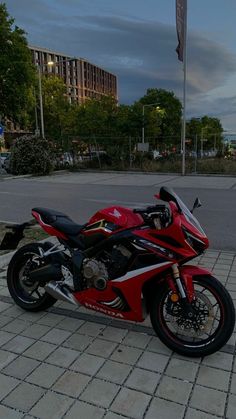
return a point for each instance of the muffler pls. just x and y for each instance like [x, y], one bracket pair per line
[60, 293]
[46, 273]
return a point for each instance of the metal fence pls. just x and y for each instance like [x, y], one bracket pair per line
[153, 155]
[203, 155]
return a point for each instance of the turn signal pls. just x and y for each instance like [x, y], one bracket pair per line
[174, 298]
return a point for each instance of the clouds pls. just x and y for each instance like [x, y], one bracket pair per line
[140, 52]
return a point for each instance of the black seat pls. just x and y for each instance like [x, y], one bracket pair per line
[59, 221]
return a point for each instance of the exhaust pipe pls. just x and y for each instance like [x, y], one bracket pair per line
[53, 274]
[60, 293]
[46, 273]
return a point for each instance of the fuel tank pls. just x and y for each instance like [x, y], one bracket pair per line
[119, 216]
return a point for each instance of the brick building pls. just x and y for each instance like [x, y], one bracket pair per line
[83, 79]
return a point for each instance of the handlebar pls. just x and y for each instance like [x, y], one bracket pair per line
[151, 209]
[152, 213]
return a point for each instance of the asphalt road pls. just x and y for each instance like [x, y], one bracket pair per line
[81, 195]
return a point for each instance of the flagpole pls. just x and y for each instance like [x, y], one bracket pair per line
[183, 130]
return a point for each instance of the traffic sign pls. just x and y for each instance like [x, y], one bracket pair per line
[143, 147]
[1, 129]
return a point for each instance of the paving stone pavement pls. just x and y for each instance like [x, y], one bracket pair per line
[76, 364]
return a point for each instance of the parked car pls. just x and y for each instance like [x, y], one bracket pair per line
[95, 156]
[3, 156]
[64, 160]
[67, 159]
[6, 163]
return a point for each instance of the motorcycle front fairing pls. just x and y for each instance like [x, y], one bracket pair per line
[123, 296]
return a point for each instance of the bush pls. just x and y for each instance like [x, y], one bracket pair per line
[218, 165]
[30, 155]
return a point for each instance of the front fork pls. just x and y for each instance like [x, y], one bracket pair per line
[178, 282]
[182, 290]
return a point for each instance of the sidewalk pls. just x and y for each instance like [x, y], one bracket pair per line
[139, 179]
[77, 364]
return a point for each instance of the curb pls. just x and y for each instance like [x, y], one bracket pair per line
[119, 172]
[15, 177]
[9, 177]
[134, 172]
[5, 259]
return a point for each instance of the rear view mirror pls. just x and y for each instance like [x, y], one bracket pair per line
[197, 204]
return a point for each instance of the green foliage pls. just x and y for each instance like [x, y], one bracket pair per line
[104, 118]
[30, 155]
[17, 74]
[217, 165]
[55, 106]
[95, 117]
[163, 117]
[207, 128]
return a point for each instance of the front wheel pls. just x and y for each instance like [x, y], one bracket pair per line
[210, 326]
[28, 295]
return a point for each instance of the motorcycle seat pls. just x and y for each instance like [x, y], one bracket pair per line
[59, 221]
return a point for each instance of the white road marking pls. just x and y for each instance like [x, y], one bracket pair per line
[14, 193]
[8, 222]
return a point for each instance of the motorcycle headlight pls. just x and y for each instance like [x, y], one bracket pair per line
[196, 244]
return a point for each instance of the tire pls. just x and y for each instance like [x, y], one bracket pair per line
[179, 340]
[20, 292]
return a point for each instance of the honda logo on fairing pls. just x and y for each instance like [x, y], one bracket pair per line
[103, 310]
[115, 213]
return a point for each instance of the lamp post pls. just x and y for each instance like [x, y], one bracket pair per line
[39, 66]
[143, 130]
[57, 63]
[203, 140]
[41, 101]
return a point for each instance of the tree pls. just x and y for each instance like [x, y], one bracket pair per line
[95, 118]
[162, 120]
[17, 73]
[55, 106]
[126, 122]
[207, 128]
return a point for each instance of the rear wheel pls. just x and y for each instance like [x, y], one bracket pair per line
[27, 294]
[210, 327]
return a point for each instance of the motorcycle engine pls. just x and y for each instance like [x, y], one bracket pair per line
[110, 265]
[95, 274]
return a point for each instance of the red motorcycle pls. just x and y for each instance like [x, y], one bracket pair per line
[127, 263]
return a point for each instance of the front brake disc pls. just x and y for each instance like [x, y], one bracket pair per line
[201, 323]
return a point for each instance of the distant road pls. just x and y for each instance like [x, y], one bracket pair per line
[81, 194]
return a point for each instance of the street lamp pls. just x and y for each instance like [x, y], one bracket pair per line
[41, 101]
[39, 67]
[57, 63]
[143, 130]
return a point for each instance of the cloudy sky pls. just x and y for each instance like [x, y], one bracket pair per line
[136, 40]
